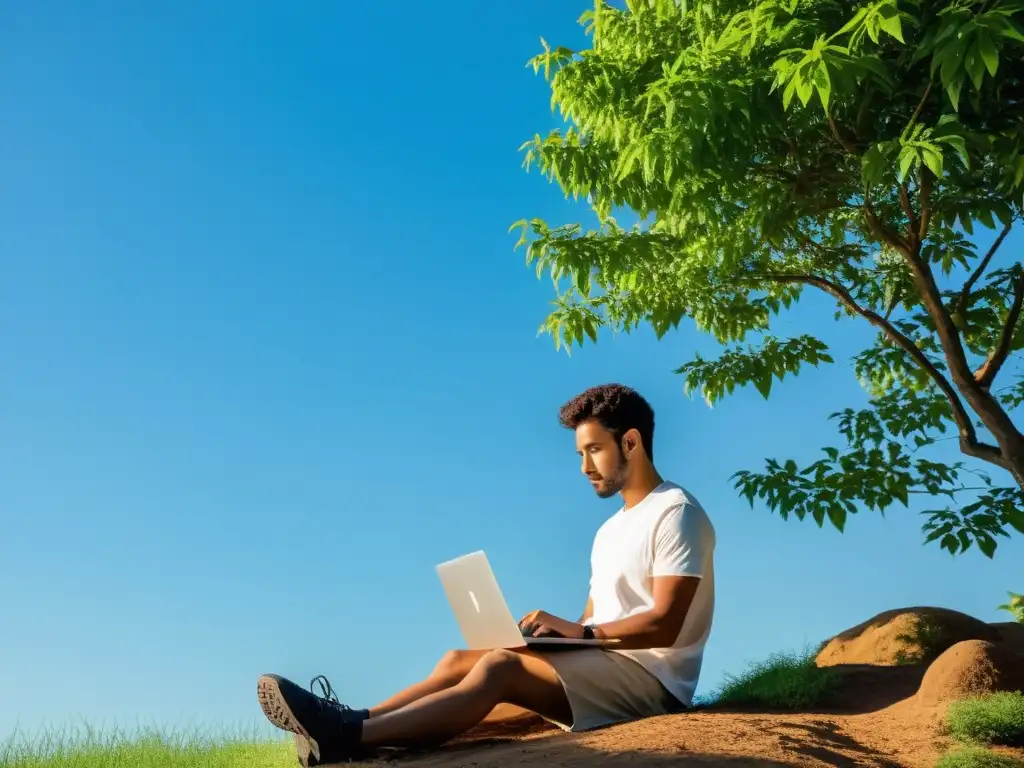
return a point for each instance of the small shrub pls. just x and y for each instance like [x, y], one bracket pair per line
[1015, 607]
[922, 643]
[994, 719]
[783, 681]
[976, 757]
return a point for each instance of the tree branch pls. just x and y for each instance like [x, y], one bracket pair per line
[988, 371]
[920, 106]
[969, 443]
[882, 232]
[847, 146]
[965, 292]
[925, 193]
[908, 209]
[931, 297]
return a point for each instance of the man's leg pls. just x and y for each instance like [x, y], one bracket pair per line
[450, 671]
[498, 677]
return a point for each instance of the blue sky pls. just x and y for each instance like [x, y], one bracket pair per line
[267, 357]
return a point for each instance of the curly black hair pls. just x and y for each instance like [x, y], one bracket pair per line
[615, 407]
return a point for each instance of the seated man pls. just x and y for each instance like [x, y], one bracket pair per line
[651, 588]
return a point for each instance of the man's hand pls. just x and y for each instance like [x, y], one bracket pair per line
[543, 624]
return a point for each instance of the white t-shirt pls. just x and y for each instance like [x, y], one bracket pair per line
[666, 534]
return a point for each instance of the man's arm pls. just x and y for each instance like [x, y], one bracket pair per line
[588, 611]
[660, 626]
[657, 628]
[683, 546]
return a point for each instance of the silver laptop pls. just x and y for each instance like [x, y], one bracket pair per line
[481, 610]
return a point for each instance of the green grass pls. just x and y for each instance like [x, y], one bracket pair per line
[976, 757]
[784, 681]
[994, 719]
[88, 748]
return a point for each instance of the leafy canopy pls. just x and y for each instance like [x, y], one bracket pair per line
[768, 148]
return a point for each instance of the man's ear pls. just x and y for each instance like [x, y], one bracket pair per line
[630, 441]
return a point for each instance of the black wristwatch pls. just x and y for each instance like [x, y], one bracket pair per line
[588, 632]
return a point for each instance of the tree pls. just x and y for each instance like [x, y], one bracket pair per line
[772, 147]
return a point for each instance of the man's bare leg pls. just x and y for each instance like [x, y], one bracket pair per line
[450, 671]
[498, 677]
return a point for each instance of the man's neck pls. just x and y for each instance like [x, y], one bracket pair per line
[640, 487]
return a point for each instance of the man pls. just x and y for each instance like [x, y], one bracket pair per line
[651, 588]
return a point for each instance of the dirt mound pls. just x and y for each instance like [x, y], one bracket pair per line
[971, 668]
[904, 636]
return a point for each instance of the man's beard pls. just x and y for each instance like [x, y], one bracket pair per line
[612, 484]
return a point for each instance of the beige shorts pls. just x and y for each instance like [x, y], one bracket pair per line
[604, 687]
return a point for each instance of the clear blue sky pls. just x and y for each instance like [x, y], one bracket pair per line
[267, 356]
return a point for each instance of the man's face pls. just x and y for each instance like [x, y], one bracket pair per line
[602, 459]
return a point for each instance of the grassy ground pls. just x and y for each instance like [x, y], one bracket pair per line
[784, 681]
[976, 757]
[87, 749]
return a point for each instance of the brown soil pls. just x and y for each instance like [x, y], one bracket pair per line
[971, 668]
[885, 714]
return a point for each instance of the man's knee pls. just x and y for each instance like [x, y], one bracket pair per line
[456, 664]
[499, 666]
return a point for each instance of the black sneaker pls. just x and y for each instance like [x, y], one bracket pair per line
[326, 730]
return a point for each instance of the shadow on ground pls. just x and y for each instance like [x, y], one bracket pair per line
[865, 688]
[826, 742]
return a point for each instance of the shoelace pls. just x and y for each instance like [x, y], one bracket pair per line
[327, 696]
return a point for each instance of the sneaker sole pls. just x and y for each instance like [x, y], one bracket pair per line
[277, 711]
[304, 751]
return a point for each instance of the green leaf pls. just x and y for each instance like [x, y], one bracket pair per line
[819, 516]
[893, 27]
[975, 66]
[953, 91]
[950, 543]
[900, 492]
[873, 165]
[823, 83]
[959, 146]
[837, 516]
[789, 92]
[908, 159]
[987, 545]
[932, 157]
[1015, 519]
[1012, 31]
[988, 52]
[965, 540]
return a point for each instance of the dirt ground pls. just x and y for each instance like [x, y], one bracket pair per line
[888, 712]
